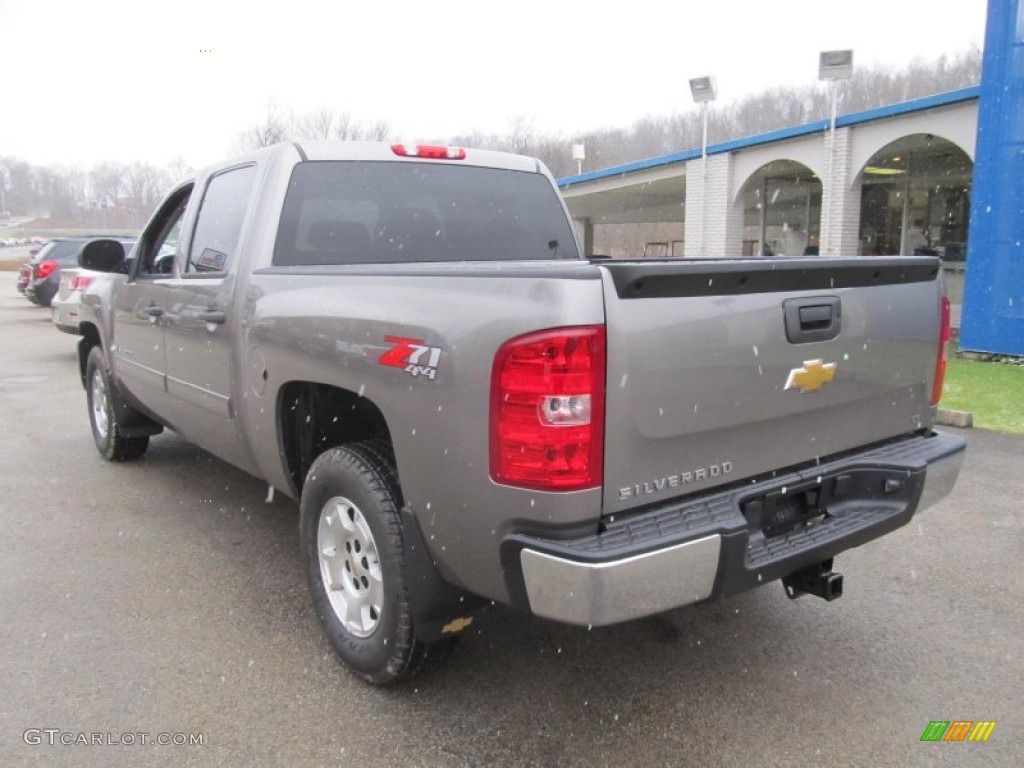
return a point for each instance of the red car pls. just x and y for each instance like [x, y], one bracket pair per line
[25, 274]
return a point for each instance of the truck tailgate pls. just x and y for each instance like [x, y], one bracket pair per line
[720, 371]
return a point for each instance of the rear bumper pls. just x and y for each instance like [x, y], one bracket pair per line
[41, 293]
[622, 589]
[65, 315]
[714, 546]
[941, 477]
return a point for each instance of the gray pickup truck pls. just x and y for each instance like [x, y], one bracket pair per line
[408, 340]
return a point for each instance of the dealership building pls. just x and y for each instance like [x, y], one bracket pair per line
[936, 176]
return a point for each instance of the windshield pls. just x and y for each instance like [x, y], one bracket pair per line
[386, 212]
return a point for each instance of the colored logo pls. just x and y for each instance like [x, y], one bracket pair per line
[958, 730]
[813, 375]
[412, 356]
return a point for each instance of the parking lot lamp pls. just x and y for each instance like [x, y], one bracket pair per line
[833, 66]
[704, 91]
[579, 154]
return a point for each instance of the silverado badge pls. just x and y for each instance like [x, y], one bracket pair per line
[813, 375]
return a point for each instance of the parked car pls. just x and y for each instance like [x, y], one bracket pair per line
[25, 273]
[66, 304]
[68, 301]
[45, 266]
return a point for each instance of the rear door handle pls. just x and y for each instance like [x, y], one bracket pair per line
[215, 316]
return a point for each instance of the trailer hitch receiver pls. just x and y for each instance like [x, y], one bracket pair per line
[818, 579]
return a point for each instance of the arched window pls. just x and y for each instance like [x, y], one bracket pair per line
[915, 199]
[781, 210]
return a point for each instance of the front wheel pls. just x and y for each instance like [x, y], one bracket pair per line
[351, 536]
[106, 429]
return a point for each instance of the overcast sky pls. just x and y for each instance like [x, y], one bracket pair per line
[82, 82]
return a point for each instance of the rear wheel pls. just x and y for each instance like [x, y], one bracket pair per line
[106, 429]
[352, 545]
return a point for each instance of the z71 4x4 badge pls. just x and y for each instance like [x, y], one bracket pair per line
[412, 356]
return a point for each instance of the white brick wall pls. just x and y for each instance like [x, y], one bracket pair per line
[841, 233]
[714, 226]
[721, 222]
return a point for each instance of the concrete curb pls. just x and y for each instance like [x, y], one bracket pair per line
[947, 418]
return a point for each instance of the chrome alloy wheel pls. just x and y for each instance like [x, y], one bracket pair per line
[100, 419]
[349, 566]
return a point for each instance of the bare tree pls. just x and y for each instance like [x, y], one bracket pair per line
[472, 139]
[316, 125]
[345, 128]
[274, 127]
[145, 185]
[106, 180]
[179, 169]
[23, 191]
[66, 191]
[522, 137]
[378, 131]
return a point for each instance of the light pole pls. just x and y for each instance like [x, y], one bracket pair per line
[833, 66]
[704, 92]
[579, 154]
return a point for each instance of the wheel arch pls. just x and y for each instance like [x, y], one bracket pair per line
[90, 338]
[313, 417]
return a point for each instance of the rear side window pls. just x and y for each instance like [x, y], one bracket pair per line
[63, 251]
[341, 212]
[219, 225]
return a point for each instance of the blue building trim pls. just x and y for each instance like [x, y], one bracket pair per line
[857, 118]
[993, 313]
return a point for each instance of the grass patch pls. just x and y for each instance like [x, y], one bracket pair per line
[992, 391]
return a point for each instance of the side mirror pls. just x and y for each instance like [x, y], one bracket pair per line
[102, 255]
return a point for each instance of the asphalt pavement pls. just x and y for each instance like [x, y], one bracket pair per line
[165, 600]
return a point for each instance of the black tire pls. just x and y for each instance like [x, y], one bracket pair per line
[350, 509]
[106, 429]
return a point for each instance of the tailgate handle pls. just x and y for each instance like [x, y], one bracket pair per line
[815, 318]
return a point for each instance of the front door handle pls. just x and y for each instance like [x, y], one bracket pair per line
[215, 316]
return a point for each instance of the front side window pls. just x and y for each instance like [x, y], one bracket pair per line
[221, 214]
[157, 246]
[344, 212]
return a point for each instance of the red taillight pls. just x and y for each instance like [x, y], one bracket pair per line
[80, 282]
[429, 152]
[547, 410]
[940, 363]
[45, 268]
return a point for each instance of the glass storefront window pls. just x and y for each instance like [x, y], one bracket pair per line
[915, 199]
[782, 211]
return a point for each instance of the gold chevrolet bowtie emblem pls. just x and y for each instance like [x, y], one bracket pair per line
[456, 625]
[814, 375]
